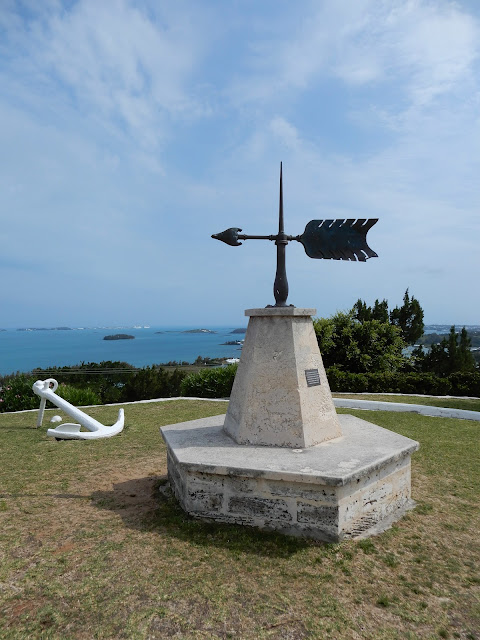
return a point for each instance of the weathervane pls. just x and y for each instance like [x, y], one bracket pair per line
[322, 239]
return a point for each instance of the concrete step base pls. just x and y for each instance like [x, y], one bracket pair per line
[352, 486]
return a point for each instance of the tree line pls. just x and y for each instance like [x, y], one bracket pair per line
[370, 339]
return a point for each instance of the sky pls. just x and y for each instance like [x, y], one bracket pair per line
[131, 130]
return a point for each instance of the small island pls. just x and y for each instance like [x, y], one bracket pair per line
[119, 336]
[199, 331]
[233, 342]
[239, 331]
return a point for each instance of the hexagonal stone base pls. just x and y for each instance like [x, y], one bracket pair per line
[351, 486]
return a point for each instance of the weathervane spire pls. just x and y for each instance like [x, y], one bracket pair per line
[328, 239]
[280, 286]
[280, 207]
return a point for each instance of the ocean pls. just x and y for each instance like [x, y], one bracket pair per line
[27, 350]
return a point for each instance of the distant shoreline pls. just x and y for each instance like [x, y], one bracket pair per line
[24, 351]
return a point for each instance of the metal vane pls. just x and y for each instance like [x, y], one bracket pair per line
[322, 239]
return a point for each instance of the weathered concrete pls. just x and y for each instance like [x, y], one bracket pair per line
[403, 407]
[349, 486]
[272, 401]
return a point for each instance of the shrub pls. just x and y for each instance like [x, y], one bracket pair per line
[457, 384]
[345, 381]
[77, 396]
[16, 393]
[152, 382]
[210, 383]
[360, 347]
[465, 384]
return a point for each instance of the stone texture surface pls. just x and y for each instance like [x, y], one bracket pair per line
[271, 403]
[346, 487]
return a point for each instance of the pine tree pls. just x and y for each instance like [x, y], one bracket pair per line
[465, 355]
[363, 313]
[408, 318]
[380, 311]
[451, 355]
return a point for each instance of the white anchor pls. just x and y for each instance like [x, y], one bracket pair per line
[45, 389]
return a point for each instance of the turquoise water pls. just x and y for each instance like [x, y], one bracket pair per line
[26, 350]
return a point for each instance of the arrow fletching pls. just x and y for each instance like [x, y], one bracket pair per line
[338, 239]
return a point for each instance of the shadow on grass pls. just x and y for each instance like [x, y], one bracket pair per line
[146, 504]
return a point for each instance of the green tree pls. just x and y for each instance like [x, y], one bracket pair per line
[359, 347]
[451, 355]
[466, 358]
[362, 312]
[409, 319]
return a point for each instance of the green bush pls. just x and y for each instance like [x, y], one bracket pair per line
[359, 347]
[152, 382]
[106, 379]
[345, 381]
[77, 396]
[210, 383]
[465, 384]
[16, 393]
[456, 384]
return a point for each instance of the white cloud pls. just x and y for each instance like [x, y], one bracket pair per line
[285, 132]
[131, 131]
[424, 48]
[113, 62]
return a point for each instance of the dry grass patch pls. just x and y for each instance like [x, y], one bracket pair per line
[93, 546]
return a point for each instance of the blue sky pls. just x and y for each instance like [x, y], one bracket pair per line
[133, 130]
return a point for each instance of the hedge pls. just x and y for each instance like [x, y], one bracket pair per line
[209, 383]
[16, 391]
[217, 383]
[455, 384]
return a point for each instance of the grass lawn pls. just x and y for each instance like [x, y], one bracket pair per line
[90, 546]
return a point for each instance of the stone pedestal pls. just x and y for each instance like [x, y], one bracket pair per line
[281, 396]
[281, 459]
[352, 486]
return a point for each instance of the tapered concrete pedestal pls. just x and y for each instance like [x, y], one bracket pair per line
[281, 395]
[281, 459]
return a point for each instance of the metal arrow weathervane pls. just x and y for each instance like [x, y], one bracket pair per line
[327, 239]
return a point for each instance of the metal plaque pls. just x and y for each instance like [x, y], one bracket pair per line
[313, 377]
